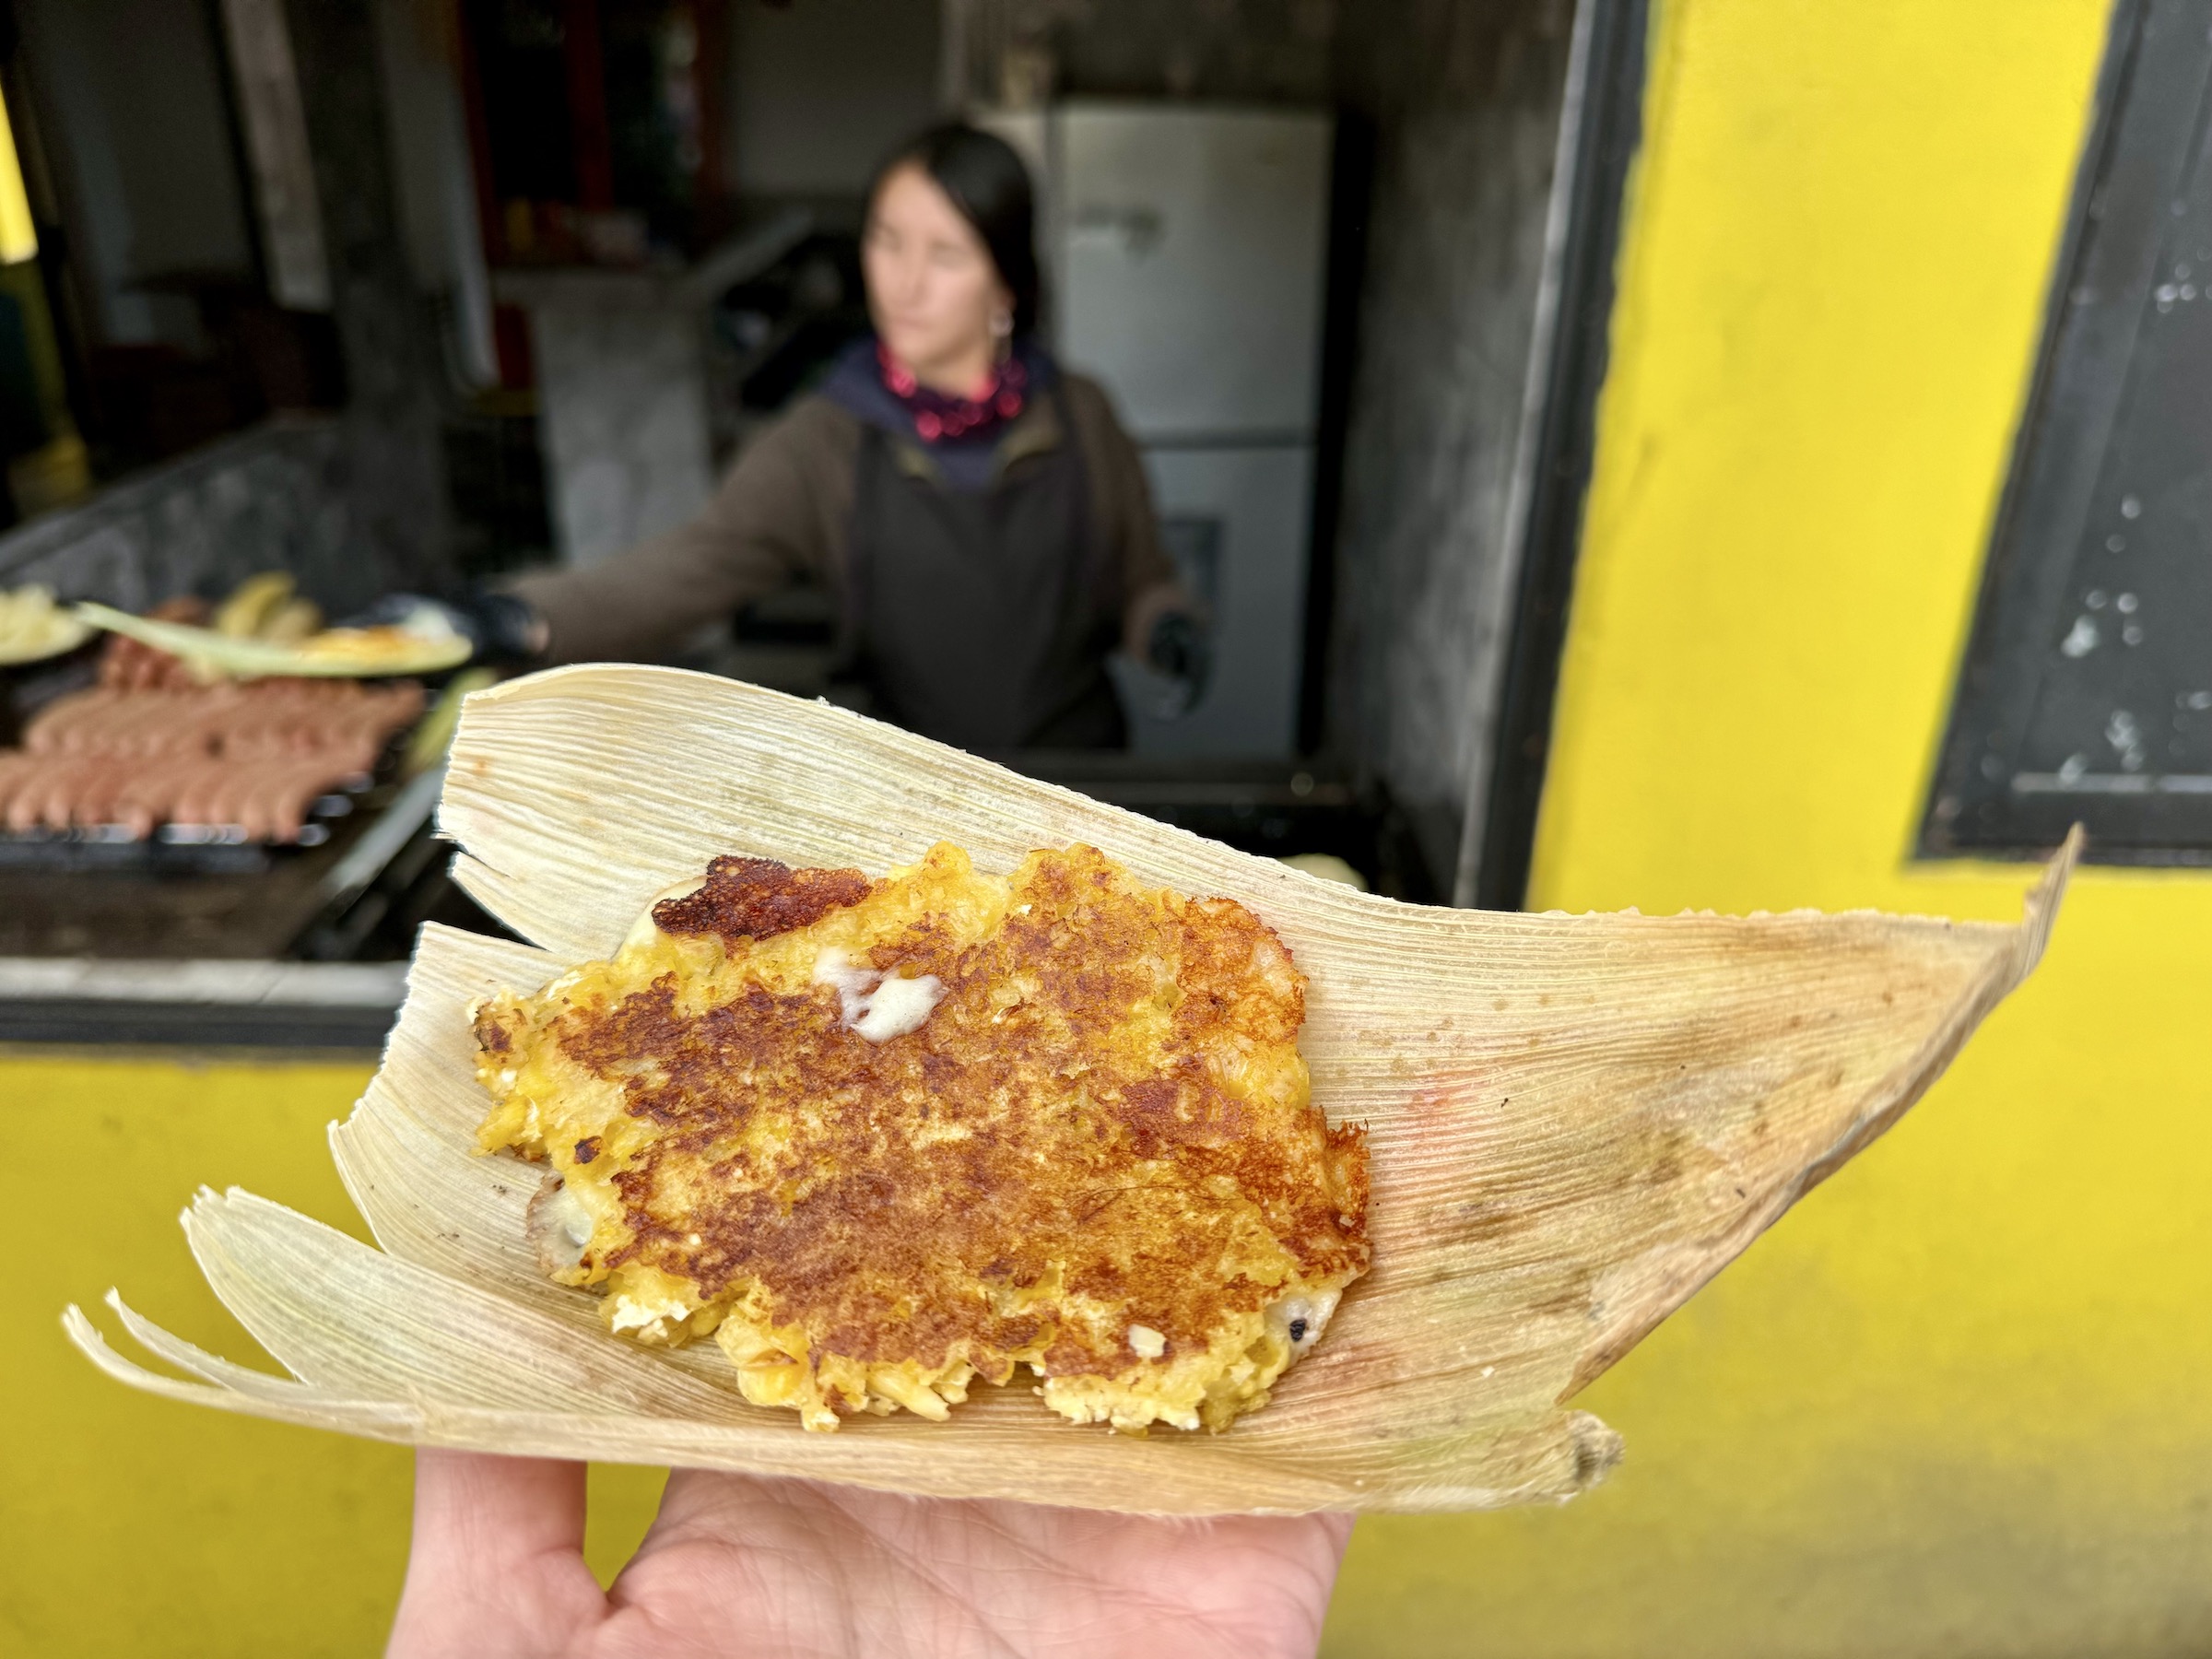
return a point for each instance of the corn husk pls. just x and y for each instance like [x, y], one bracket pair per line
[1574, 1122]
[423, 644]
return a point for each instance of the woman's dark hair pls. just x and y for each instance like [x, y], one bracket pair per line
[988, 184]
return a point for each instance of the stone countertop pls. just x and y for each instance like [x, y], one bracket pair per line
[200, 1005]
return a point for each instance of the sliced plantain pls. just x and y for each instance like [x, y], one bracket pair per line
[253, 603]
[289, 623]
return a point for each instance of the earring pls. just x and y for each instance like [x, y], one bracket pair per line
[1002, 323]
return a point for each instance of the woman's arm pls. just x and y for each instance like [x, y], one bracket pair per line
[1163, 623]
[1122, 497]
[775, 520]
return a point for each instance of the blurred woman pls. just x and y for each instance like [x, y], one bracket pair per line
[976, 510]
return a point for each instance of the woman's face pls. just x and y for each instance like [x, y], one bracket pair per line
[933, 289]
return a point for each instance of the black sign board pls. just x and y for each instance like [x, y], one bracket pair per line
[2087, 694]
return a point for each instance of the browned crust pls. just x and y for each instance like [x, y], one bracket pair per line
[967, 1158]
[758, 898]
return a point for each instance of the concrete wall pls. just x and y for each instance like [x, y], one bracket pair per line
[395, 478]
[820, 91]
[1240, 51]
[433, 179]
[1464, 102]
[134, 94]
[1956, 1402]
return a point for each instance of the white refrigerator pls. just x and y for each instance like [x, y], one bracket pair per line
[1185, 248]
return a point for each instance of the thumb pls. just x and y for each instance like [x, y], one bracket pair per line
[497, 1563]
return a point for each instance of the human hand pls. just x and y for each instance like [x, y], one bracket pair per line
[1182, 647]
[737, 1565]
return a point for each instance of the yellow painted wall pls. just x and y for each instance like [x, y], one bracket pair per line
[131, 1526]
[1961, 1401]
[19, 235]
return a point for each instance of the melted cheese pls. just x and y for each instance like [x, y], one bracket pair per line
[878, 1007]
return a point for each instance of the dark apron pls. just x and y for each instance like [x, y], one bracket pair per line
[983, 619]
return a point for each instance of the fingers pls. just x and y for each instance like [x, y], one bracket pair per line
[1337, 1530]
[497, 1564]
[811, 1568]
[693, 1493]
[496, 1511]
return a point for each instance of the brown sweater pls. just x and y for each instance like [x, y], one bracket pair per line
[782, 516]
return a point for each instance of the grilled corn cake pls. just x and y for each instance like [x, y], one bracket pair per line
[881, 1137]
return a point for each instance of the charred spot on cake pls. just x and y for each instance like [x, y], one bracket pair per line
[491, 1032]
[1302, 1318]
[758, 898]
